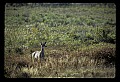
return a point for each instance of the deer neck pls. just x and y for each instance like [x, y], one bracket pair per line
[42, 49]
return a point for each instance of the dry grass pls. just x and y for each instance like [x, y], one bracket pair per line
[93, 63]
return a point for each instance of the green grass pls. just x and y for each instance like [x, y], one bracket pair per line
[80, 41]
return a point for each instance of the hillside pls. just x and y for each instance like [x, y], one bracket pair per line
[81, 40]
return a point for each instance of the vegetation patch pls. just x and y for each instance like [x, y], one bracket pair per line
[80, 39]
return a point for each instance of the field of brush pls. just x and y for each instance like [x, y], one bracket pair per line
[81, 41]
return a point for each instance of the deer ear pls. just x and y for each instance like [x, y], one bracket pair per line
[45, 43]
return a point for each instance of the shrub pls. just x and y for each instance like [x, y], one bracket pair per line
[106, 34]
[19, 51]
[107, 54]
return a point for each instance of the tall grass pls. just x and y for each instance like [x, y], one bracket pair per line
[80, 41]
[59, 63]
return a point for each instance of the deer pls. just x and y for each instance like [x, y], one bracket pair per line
[38, 55]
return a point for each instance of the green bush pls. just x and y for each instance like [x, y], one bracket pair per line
[19, 51]
[58, 27]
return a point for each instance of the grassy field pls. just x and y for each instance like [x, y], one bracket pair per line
[81, 41]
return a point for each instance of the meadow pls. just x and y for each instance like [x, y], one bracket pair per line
[81, 41]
